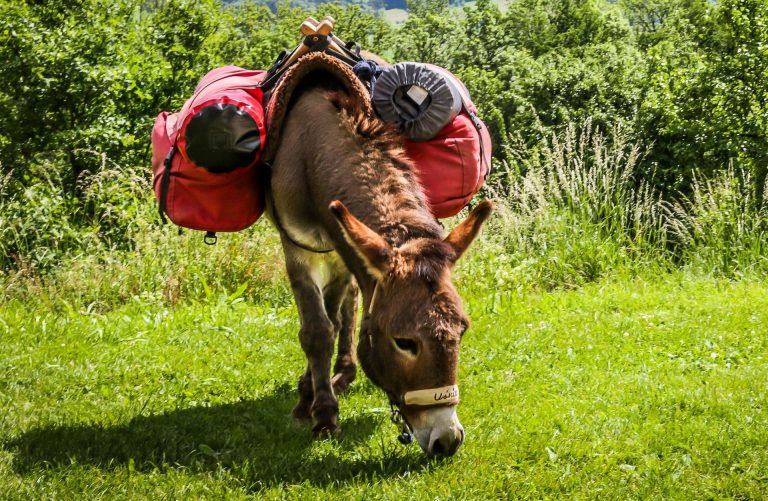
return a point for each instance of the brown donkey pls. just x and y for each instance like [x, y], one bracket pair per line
[341, 181]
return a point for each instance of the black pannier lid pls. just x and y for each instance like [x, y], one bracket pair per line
[222, 137]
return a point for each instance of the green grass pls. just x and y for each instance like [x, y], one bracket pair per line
[621, 389]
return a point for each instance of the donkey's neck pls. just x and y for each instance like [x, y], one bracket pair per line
[398, 210]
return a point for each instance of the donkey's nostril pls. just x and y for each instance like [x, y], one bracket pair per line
[444, 446]
[436, 448]
[439, 431]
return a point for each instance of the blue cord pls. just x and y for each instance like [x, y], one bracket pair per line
[368, 71]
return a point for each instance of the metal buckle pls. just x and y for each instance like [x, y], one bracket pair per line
[210, 238]
[396, 416]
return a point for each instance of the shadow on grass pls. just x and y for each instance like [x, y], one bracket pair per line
[255, 440]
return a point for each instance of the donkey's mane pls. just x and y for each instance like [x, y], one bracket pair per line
[393, 182]
[377, 134]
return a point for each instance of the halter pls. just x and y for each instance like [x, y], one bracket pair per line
[431, 397]
[445, 395]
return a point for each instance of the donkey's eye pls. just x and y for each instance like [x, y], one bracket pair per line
[406, 344]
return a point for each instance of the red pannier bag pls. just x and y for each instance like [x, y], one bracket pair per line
[442, 134]
[205, 157]
[453, 166]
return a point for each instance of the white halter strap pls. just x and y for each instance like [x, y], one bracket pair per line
[447, 395]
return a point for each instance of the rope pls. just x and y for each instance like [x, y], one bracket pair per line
[367, 71]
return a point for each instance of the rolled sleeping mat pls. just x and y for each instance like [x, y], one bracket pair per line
[419, 97]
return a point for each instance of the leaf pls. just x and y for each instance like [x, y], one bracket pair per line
[239, 292]
[207, 289]
[206, 449]
[552, 454]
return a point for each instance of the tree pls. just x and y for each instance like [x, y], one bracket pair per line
[547, 63]
[429, 34]
[541, 26]
[656, 20]
[80, 78]
[707, 103]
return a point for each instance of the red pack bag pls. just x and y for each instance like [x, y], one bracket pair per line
[205, 157]
[450, 145]
[453, 166]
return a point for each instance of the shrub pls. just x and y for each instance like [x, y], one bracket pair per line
[722, 226]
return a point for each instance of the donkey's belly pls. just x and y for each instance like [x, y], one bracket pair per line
[291, 208]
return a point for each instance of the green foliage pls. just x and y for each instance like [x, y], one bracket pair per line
[651, 99]
[252, 35]
[39, 225]
[541, 26]
[737, 80]
[356, 25]
[427, 32]
[655, 21]
[89, 76]
[721, 227]
[577, 212]
[550, 64]
[706, 99]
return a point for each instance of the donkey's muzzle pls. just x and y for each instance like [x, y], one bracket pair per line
[446, 443]
[438, 430]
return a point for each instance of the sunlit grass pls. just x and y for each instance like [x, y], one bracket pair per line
[622, 389]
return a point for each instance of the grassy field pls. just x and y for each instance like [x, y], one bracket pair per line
[625, 388]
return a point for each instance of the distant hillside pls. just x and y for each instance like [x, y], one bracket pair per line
[369, 4]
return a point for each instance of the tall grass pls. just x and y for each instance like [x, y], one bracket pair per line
[572, 209]
[39, 224]
[107, 246]
[722, 226]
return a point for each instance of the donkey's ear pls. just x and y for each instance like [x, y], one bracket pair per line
[372, 248]
[467, 230]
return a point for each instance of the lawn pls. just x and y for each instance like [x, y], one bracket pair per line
[626, 388]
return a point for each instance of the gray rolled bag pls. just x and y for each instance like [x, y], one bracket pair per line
[421, 98]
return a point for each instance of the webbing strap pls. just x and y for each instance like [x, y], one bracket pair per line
[165, 183]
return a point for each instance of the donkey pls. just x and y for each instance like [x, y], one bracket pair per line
[352, 217]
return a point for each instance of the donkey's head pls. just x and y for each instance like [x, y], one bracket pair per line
[410, 335]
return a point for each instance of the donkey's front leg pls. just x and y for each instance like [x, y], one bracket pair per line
[345, 367]
[317, 335]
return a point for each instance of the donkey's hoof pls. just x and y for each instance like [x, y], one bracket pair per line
[345, 374]
[325, 419]
[325, 431]
[341, 383]
[301, 413]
